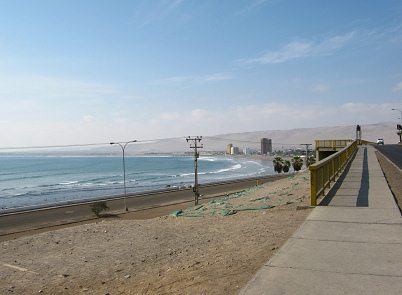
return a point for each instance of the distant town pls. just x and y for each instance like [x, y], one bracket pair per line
[265, 151]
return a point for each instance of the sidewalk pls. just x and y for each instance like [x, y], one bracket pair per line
[353, 245]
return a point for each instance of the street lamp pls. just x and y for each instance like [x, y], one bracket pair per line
[123, 148]
[398, 126]
[398, 111]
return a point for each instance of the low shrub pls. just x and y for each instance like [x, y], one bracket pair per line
[99, 207]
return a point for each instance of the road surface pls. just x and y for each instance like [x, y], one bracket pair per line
[392, 152]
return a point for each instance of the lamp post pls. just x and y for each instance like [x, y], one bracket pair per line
[398, 111]
[399, 131]
[123, 148]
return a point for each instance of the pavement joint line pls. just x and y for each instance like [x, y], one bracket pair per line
[346, 196]
[348, 241]
[336, 272]
[352, 181]
[342, 206]
[355, 222]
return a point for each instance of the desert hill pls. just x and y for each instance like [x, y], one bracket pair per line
[281, 139]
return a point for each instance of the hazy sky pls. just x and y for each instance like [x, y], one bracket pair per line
[96, 71]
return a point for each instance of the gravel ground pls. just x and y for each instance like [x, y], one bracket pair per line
[216, 252]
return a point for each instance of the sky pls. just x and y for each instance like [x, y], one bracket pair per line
[74, 72]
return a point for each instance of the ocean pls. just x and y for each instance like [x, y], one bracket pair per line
[40, 181]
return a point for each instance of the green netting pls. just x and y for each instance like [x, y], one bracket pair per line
[228, 212]
[176, 213]
[224, 210]
[260, 199]
[227, 205]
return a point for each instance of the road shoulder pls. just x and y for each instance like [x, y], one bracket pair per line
[393, 176]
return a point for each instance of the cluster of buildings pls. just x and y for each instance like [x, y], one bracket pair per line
[266, 149]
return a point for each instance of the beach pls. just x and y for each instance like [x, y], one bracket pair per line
[32, 181]
[213, 248]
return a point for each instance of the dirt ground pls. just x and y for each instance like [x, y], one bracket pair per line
[214, 248]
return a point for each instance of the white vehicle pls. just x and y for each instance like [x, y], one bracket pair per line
[380, 141]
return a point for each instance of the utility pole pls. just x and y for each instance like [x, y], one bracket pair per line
[196, 140]
[307, 145]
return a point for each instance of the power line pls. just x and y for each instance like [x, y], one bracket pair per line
[52, 146]
[217, 138]
[80, 144]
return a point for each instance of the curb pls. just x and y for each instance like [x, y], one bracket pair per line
[392, 163]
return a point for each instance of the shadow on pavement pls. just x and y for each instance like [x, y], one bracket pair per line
[362, 197]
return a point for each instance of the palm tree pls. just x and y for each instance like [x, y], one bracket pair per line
[286, 166]
[297, 163]
[278, 164]
[310, 160]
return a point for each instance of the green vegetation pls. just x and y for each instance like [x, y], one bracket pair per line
[286, 166]
[98, 207]
[310, 160]
[278, 164]
[297, 163]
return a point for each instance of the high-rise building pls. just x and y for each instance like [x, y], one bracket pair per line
[269, 145]
[229, 148]
[246, 150]
[235, 150]
[266, 146]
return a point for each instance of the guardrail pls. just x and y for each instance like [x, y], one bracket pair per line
[366, 142]
[327, 170]
[332, 143]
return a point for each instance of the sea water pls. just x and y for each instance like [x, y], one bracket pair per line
[34, 181]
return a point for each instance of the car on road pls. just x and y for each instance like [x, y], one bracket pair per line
[380, 141]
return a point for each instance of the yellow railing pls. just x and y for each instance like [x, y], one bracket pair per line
[366, 142]
[332, 143]
[327, 170]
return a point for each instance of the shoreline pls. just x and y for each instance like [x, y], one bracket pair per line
[21, 223]
[75, 194]
[17, 210]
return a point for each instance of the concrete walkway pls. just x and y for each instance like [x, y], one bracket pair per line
[353, 245]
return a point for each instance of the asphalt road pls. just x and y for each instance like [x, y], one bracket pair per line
[18, 222]
[392, 152]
